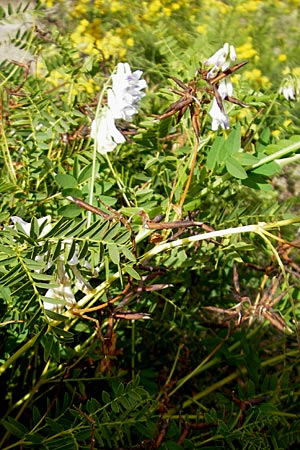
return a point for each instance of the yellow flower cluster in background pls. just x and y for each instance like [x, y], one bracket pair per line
[65, 81]
[247, 51]
[256, 79]
[249, 6]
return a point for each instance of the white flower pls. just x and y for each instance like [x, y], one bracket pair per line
[122, 102]
[290, 88]
[26, 225]
[126, 92]
[225, 88]
[105, 132]
[221, 60]
[63, 296]
[288, 92]
[219, 118]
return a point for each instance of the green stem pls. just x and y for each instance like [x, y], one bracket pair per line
[95, 151]
[267, 159]
[286, 161]
[118, 180]
[189, 180]
[198, 368]
[132, 349]
[162, 391]
[6, 153]
[92, 183]
[274, 156]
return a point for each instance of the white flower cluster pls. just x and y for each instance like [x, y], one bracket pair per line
[220, 62]
[126, 92]
[122, 103]
[290, 88]
[62, 296]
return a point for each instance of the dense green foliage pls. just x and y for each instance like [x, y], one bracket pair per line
[183, 336]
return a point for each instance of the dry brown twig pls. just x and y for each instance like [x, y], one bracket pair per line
[263, 307]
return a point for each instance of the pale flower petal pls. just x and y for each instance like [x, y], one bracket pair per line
[105, 132]
[288, 93]
[64, 293]
[218, 58]
[232, 53]
[26, 225]
[218, 117]
[221, 60]
[290, 88]
[225, 88]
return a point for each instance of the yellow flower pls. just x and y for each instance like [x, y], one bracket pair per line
[116, 6]
[88, 86]
[47, 3]
[83, 25]
[202, 29]
[80, 9]
[130, 42]
[245, 113]
[58, 77]
[287, 123]
[155, 6]
[94, 28]
[223, 8]
[175, 6]
[265, 82]
[282, 57]
[167, 12]
[275, 133]
[296, 71]
[84, 43]
[286, 71]
[112, 45]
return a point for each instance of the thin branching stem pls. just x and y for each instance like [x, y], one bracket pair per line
[189, 180]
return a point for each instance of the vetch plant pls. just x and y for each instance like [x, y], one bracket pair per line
[44, 222]
[172, 226]
[219, 117]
